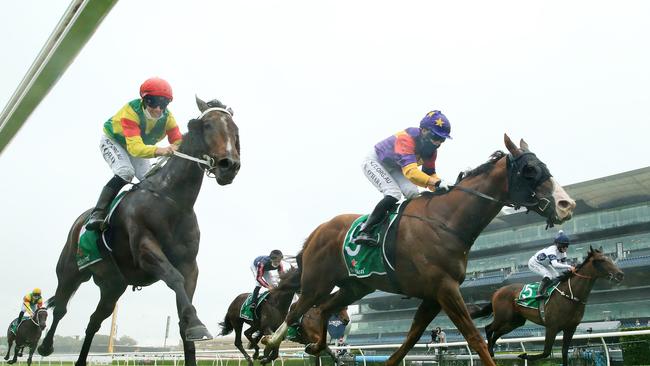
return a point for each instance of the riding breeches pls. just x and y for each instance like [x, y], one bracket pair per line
[121, 162]
[390, 182]
[541, 269]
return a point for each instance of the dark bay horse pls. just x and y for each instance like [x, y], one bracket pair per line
[272, 312]
[433, 240]
[154, 232]
[564, 309]
[27, 334]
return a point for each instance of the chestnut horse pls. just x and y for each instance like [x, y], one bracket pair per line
[564, 309]
[271, 313]
[434, 236]
[154, 232]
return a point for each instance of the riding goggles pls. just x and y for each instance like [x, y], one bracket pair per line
[154, 101]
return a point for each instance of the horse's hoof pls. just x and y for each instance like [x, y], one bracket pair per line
[44, 350]
[11, 362]
[313, 349]
[197, 333]
[523, 356]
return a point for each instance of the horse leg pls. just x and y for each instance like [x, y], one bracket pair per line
[154, 261]
[16, 350]
[548, 346]
[31, 353]
[190, 273]
[452, 303]
[427, 310]
[110, 292]
[567, 336]
[238, 343]
[345, 296]
[251, 341]
[10, 342]
[69, 280]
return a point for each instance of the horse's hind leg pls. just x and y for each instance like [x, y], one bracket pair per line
[110, 289]
[238, 343]
[10, 342]
[69, 280]
[252, 342]
[548, 346]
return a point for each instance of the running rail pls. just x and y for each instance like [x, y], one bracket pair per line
[74, 29]
[222, 356]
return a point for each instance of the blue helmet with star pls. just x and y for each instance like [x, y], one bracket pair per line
[437, 123]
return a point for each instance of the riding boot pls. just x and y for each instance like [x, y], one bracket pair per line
[108, 194]
[541, 293]
[19, 319]
[256, 293]
[377, 216]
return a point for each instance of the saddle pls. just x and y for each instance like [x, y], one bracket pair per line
[16, 323]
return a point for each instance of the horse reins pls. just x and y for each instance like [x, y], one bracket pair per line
[572, 297]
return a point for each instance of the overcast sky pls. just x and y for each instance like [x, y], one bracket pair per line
[314, 86]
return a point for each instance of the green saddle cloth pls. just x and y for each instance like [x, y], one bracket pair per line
[364, 260]
[14, 324]
[87, 248]
[528, 295]
[245, 311]
[293, 333]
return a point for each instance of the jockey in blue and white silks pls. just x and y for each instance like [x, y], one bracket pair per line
[549, 261]
[262, 266]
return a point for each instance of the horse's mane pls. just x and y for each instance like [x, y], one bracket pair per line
[289, 282]
[483, 168]
[566, 275]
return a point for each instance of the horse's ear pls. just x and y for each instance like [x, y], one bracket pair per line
[510, 145]
[591, 249]
[201, 104]
[523, 145]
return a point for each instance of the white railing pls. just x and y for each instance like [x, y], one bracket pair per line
[220, 357]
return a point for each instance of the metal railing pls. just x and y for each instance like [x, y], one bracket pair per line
[221, 357]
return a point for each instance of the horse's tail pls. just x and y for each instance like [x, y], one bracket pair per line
[50, 303]
[476, 311]
[226, 326]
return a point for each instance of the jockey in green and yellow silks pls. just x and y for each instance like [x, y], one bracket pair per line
[31, 302]
[130, 138]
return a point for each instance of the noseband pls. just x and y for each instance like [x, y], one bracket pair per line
[520, 189]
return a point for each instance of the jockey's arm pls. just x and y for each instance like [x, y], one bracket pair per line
[260, 276]
[134, 144]
[557, 264]
[174, 135]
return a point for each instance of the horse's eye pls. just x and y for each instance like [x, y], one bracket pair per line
[531, 172]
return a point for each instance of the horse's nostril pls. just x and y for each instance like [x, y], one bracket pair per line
[565, 204]
[225, 163]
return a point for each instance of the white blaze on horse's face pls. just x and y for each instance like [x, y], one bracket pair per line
[230, 145]
[564, 204]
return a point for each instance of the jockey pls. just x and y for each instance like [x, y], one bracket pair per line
[548, 261]
[31, 302]
[392, 167]
[130, 138]
[261, 266]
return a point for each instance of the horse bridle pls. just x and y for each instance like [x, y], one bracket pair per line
[208, 164]
[520, 189]
[37, 322]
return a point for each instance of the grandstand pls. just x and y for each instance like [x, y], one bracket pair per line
[613, 212]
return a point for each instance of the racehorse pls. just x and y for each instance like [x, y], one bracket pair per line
[27, 334]
[271, 314]
[154, 232]
[564, 309]
[433, 238]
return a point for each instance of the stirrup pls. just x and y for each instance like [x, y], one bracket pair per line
[366, 239]
[96, 223]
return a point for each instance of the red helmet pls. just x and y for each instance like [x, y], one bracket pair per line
[156, 87]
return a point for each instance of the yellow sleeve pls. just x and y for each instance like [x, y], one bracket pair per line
[413, 173]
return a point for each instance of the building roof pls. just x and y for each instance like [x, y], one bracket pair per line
[597, 194]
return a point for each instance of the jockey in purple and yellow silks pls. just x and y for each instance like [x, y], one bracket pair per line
[130, 138]
[31, 302]
[393, 167]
